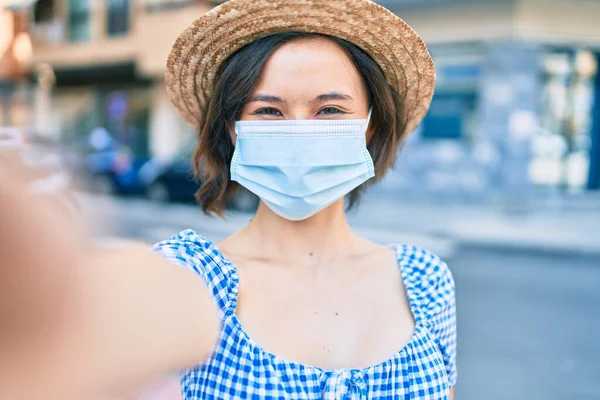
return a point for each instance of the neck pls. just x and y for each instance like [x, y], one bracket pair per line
[317, 238]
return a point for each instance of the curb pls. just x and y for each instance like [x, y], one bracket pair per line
[547, 249]
[443, 247]
[446, 244]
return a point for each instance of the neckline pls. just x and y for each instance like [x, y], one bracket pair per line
[230, 314]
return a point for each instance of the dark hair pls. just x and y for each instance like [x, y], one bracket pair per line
[235, 83]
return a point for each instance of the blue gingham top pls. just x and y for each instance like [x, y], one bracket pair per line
[238, 369]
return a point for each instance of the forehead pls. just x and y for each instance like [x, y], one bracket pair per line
[307, 64]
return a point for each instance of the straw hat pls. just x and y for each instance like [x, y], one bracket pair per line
[202, 48]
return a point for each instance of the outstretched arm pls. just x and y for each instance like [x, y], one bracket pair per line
[76, 319]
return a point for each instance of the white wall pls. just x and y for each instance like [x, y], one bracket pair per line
[168, 132]
[452, 22]
[559, 21]
[570, 22]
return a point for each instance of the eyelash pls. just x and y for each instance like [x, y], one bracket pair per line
[335, 110]
[270, 111]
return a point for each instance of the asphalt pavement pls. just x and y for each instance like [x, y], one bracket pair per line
[528, 313]
[528, 325]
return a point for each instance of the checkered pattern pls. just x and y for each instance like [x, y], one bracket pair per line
[239, 368]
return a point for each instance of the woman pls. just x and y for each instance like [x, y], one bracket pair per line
[302, 103]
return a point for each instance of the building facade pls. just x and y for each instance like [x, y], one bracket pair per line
[517, 103]
[108, 57]
[514, 110]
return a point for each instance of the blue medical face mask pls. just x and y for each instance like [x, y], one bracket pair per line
[299, 167]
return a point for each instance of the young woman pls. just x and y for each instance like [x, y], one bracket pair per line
[302, 103]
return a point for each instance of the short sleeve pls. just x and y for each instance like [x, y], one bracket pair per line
[192, 251]
[430, 284]
[186, 250]
[443, 321]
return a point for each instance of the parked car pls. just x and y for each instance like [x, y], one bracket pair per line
[174, 181]
[109, 169]
[168, 180]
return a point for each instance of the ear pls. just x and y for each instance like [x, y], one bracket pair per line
[231, 129]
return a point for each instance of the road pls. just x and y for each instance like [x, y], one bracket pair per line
[529, 325]
[528, 322]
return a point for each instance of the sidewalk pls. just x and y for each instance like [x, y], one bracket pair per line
[440, 227]
[545, 228]
[119, 222]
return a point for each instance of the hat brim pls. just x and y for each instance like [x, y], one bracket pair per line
[203, 47]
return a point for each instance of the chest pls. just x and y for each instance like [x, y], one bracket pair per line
[332, 319]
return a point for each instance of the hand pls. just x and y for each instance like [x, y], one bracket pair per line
[39, 249]
[76, 318]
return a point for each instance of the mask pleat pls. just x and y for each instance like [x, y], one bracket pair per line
[299, 167]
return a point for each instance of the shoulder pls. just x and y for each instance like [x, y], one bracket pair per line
[190, 250]
[427, 276]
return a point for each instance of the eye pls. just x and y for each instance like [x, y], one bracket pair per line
[330, 110]
[269, 111]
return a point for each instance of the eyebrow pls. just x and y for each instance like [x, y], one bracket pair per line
[323, 97]
[332, 96]
[266, 98]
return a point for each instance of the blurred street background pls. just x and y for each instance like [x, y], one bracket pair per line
[502, 179]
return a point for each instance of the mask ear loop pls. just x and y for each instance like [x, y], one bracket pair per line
[369, 119]
[368, 157]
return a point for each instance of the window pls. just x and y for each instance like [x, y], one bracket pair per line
[79, 20]
[453, 113]
[450, 116]
[118, 17]
[561, 149]
[43, 11]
